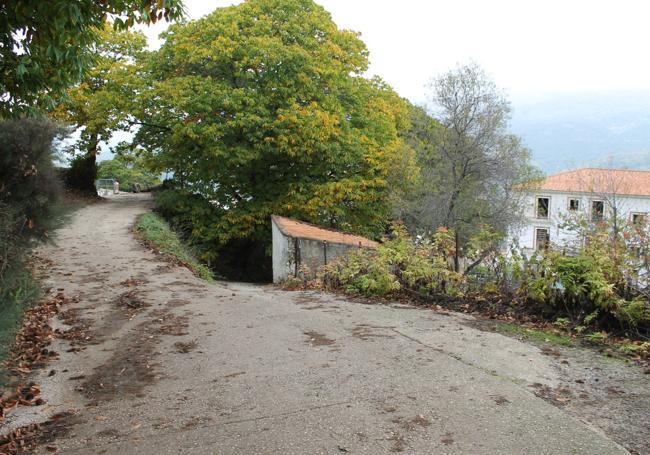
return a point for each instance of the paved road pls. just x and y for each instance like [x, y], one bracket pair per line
[176, 365]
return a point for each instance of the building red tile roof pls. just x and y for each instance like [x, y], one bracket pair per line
[594, 180]
[302, 230]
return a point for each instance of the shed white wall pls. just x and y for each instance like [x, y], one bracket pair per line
[312, 253]
[281, 254]
[559, 211]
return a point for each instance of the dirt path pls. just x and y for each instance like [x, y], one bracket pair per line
[174, 365]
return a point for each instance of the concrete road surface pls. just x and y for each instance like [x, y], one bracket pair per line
[173, 365]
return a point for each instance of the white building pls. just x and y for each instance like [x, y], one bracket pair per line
[593, 194]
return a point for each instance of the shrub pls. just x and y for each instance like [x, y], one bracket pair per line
[591, 288]
[18, 291]
[399, 264]
[586, 292]
[369, 273]
[29, 191]
[29, 186]
[634, 312]
[81, 175]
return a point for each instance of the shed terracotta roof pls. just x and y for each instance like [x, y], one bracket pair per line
[302, 230]
[595, 180]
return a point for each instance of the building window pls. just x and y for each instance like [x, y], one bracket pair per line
[542, 238]
[542, 209]
[574, 205]
[597, 210]
[639, 219]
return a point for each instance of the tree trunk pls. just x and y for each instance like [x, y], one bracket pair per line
[91, 163]
[456, 254]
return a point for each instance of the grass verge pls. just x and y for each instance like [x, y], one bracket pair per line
[159, 235]
[617, 349]
[537, 335]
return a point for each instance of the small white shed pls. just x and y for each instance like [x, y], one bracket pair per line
[296, 243]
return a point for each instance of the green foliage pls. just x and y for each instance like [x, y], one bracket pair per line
[562, 323]
[634, 312]
[584, 292]
[29, 211]
[29, 186]
[193, 217]
[265, 112]
[46, 46]
[160, 236]
[129, 172]
[596, 337]
[573, 280]
[641, 349]
[81, 174]
[397, 264]
[100, 104]
[545, 336]
[365, 273]
[592, 286]
[18, 291]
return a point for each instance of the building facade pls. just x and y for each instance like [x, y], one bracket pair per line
[590, 194]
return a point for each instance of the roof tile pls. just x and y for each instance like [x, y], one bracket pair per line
[594, 180]
[300, 229]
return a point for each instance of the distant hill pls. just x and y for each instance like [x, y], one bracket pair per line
[588, 129]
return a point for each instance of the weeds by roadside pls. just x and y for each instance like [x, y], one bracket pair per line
[546, 336]
[159, 236]
[20, 289]
[578, 305]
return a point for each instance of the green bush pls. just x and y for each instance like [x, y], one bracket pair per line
[399, 264]
[368, 274]
[585, 292]
[81, 175]
[574, 281]
[29, 194]
[633, 312]
[29, 186]
[591, 288]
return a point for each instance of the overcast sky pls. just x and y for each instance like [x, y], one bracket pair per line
[529, 47]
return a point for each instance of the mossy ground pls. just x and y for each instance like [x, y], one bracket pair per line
[537, 334]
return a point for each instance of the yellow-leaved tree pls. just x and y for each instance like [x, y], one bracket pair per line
[260, 109]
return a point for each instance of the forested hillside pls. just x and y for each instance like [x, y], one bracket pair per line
[565, 131]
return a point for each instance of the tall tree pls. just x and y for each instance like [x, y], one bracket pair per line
[44, 45]
[414, 204]
[100, 104]
[471, 166]
[265, 111]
